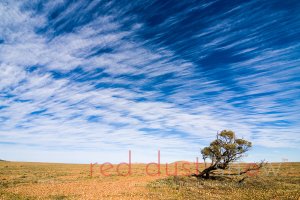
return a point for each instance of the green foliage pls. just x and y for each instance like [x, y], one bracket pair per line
[225, 149]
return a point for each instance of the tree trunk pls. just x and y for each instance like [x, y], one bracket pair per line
[205, 173]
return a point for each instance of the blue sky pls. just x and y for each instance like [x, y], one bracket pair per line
[85, 81]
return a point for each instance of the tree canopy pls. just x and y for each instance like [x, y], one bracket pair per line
[224, 150]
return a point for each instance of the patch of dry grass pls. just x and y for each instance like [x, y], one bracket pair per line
[267, 184]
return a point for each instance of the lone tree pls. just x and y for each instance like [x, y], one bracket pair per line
[223, 151]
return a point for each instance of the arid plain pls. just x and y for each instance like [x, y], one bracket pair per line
[22, 180]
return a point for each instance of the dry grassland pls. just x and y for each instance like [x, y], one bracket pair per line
[69, 181]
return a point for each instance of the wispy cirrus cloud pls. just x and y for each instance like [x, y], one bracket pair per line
[90, 76]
